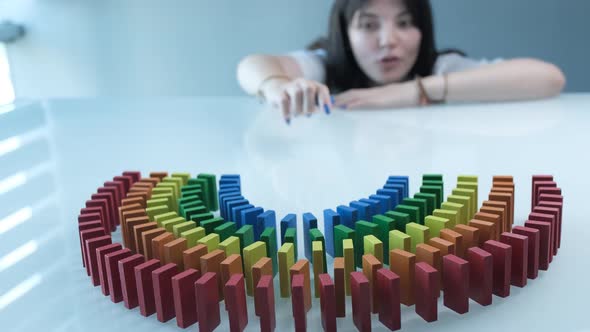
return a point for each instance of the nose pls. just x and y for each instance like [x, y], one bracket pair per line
[389, 36]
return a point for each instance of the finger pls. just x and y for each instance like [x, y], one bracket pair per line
[309, 100]
[296, 95]
[325, 98]
[344, 98]
[284, 105]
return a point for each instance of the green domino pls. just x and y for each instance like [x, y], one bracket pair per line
[291, 237]
[286, 260]
[341, 233]
[206, 190]
[453, 216]
[150, 203]
[193, 194]
[152, 212]
[472, 203]
[209, 225]
[182, 227]
[436, 190]
[316, 235]
[168, 224]
[251, 255]
[412, 211]
[418, 233]
[430, 201]
[171, 185]
[399, 240]
[432, 177]
[466, 202]
[459, 208]
[470, 186]
[212, 183]
[362, 229]
[225, 230]
[163, 190]
[436, 224]
[467, 178]
[168, 197]
[183, 176]
[177, 184]
[269, 236]
[372, 245]
[421, 204]
[246, 236]
[231, 246]
[195, 204]
[160, 218]
[400, 219]
[384, 226]
[187, 200]
[193, 236]
[211, 241]
[198, 218]
[194, 211]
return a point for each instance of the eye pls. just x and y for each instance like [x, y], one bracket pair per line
[405, 23]
[369, 25]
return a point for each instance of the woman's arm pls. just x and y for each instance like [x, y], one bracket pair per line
[518, 79]
[256, 69]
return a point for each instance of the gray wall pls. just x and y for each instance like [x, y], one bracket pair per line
[81, 48]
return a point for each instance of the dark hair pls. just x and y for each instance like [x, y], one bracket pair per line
[342, 70]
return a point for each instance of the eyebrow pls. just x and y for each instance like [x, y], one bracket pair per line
[363, 13]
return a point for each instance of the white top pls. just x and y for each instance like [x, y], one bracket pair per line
[313, 65]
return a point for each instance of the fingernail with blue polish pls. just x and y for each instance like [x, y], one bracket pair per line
[327, 109]
[332, 99]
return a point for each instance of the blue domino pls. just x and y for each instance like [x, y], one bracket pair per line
[393, 194]
[309, 222]
[250, 217]
[399, 188]
[364, 210]
[348, 216]
[223, 202]
[230, 204]
[403, 180]
[384, 202]
[331, 219]
[289, 221]
[374, 206]
[229, 178]
[236, 213]
[269, 219]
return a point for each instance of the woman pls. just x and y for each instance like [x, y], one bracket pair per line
[382, 54]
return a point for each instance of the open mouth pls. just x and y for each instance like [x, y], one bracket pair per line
[390, 60]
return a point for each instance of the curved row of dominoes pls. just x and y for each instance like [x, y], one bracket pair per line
[178, 260]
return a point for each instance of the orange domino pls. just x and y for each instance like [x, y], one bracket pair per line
[493, 218]
[261, 268]
[191, 258]
[132, 222]
[494, 211]
[158, 244]
[138, 234]
[486, 230]
[173, 252]
[505, 212]
[470, 236]
[302, 267]
[402, 263]
[147, 237]
[430, 255]
[455, 238]
[211, 262]
[339, 286]
[370, 267]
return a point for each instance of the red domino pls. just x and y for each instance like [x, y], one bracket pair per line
[235, 299]
[145, 288]
[520, 252]
[298, 302]
[480, 275]
[106, 216]
[127, 276]
[327, 302]
[86, 235]
[361, 301]
[533, 251]
[555, 213]
[118, 186]
[86, 226]
[388, 288]
[88, 216]
[162, 282]
[502, 258]
[456, 283]
[207, 294]
[108, 197]
[135, 175]
[536, 179]
[426, 290]
[126, 180]
[266, 301]
[113, 276]
[543, 185]
[115, 200]
[102, 266]
[185, 302]
[548, 218]
[544, 229]
[91, 258]
[339, 285]
[559, 207]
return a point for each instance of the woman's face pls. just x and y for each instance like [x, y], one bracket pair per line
[384, 40]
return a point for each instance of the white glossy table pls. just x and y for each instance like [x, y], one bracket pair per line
[56, 153]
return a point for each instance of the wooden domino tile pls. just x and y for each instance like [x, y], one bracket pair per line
[361, 301]
[191, 258]
[298, 302]
[113, 276]
[145, 289]
[236, 302]
[101, 252]
[502, 264]
[339, 277]
[127, 277]
[533, 251]
[211, 262]
[164, 299]
[402, 263]
[302, 267]
[456, 283]
[427, 291]
[327, 302]
[388, 289]
[520, 246]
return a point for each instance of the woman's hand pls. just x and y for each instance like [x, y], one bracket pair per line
[297, 97]
[393, 95]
